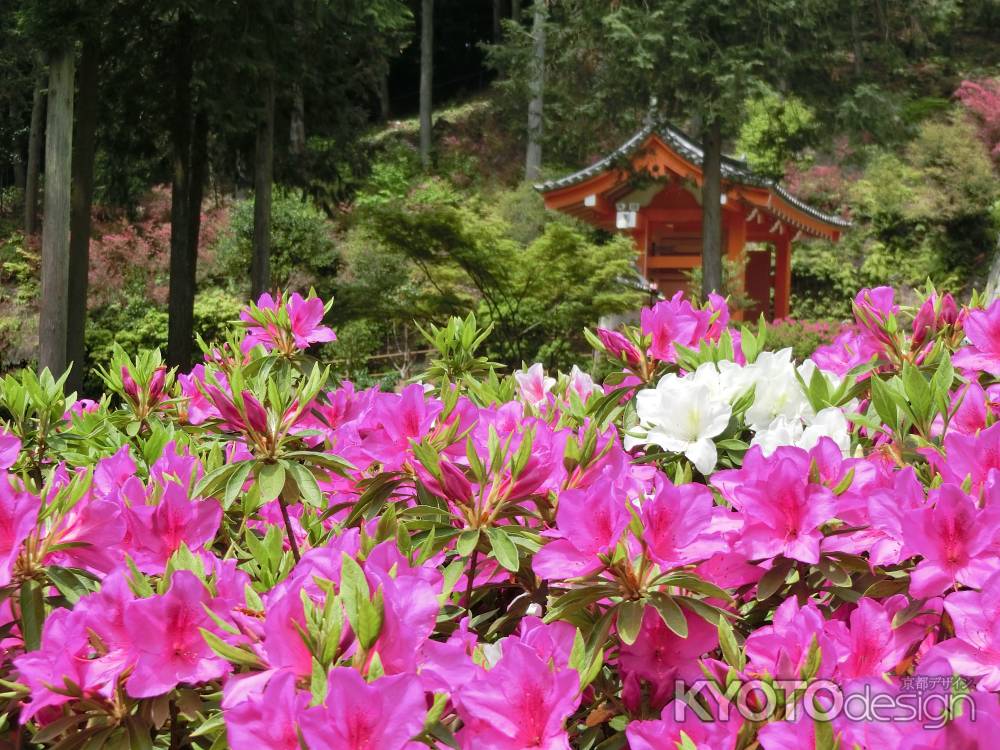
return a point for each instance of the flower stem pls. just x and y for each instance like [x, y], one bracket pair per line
[288, 529]
[471, 580]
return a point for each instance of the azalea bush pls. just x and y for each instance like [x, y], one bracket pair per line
[716, 547]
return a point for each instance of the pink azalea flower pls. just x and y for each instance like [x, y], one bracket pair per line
[589, 523]
[113, 472]
[848, 350]
[955, 540]
[395, 420]
[520, 704]
[659, 655]
[581, 384]
[411, 609]
[64, 656]
[94, 530]
[10, 447]
[674, 321]
[307, 316]
[976, 729]
[975, 649]
[356, 715]
[80, 407]
[534, 385]
[267, 716]
[982, 328]
[68, 653]
[781, 648]
[266, 327]
[18, 514]
[677, 525]
[968, 411]
[666, 732]
[788, 735]
[157, 531]
[553, 641]
[166, 642]
[870, 645]
[782, 512]
[199, 408]
[975, 456]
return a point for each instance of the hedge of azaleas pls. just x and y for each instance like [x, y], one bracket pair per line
[250, 556]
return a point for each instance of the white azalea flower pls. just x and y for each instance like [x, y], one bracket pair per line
[682, 415]
[805, 434]
[778, 392]
[829, 422]
[781, 431]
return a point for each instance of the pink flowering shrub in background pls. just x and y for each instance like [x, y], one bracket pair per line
[982, 100]
[248, 555]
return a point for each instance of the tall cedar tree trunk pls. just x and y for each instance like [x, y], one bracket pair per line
[181, 302]
[297, 125]
[34, 154]
[198, 171]
[260, 264]
[711, 210]
[856, 40]
[18, 156]
[81, 199]
[384, 102]
[533, 156]
[297, 117]
[497, 15]
[426, 78]
[55, 230]
[515, 10]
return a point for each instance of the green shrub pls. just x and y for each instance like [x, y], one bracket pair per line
[429, 257]
[774, 128]
[803, 336]
[134, 324]
[303, 249]
[393, 172]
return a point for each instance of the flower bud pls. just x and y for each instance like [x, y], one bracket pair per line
[617, 345]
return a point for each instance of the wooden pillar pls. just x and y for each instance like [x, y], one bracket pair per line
[53, 317]
[641, 237]
[782, 276]
[736, 240]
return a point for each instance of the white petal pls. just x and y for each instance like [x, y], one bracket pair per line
[703, 454]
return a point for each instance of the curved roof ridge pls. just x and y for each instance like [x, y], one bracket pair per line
[733, 169]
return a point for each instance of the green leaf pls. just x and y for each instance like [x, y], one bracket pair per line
[71, 583]
[32, 614]
[671, 613]
[883, 402]
[630, 620]
[773, 579]
[731, 650]
[467, 542]
[309, 489]
[138, 734]
[234, 485]
[229, 652]
[918, 392]
[271, 479]
[887, 587]
[52, 730]
[364, 615]
[832, 572]
[503, 548]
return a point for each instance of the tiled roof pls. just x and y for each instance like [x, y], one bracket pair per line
[733, 170]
